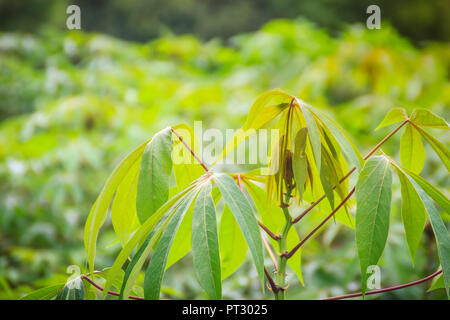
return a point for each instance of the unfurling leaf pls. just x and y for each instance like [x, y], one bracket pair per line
[156, 167]
[412, 153]
[300, 163]
[313, 134]
[373, 206]
[205, 244]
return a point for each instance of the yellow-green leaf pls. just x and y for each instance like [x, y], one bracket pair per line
[412, 152]
[394, 115]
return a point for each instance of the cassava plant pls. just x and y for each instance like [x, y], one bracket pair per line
[161, 208]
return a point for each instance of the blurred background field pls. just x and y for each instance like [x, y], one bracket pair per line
[73, 103]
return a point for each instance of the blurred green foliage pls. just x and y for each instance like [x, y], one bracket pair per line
[141, 20]
[72, 104]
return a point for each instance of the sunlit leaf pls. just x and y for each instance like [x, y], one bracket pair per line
[313, 134]
[348, 148]
[442, 151]
[99, 210]
[123, 210]
[393, 116]
[412, 152]
[232, 245]
[426, 118]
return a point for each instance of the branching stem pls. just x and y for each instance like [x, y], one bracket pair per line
[409, 284]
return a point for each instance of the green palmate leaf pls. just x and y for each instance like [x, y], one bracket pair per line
[99, 210]
[437, 146]
[414, 214]
[426, 118]
[156, 167]
[373, 201]
[232, 245]
[350, 151]
[46, 293]
[300, 165]
[156, 268]
[394, 115]
[123, 210]
[205, 244]
[412, 153]
[434, 193]
[440, 232]
[243, 212]
[72, 290]
[313, 134]
[141, 234]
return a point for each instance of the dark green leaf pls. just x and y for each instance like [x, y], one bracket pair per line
[414, 214]
[205, 244]
[156, 268]
[373, 201]
[243, 212]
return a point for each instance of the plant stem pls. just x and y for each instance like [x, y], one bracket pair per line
[292, 252]
[189, 148]
[282, 242]
[99, 287]
[409, 284]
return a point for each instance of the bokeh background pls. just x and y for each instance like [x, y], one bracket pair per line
[72, 103]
